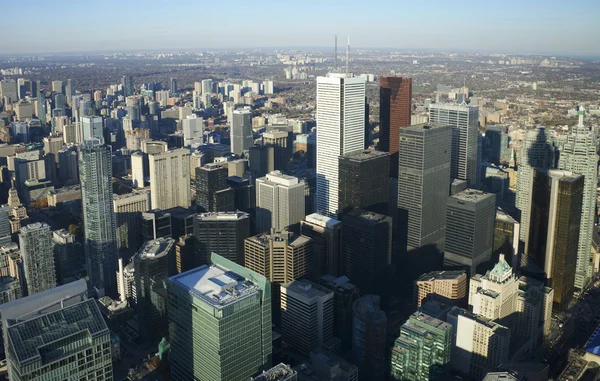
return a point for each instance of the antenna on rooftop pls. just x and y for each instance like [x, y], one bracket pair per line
[347, 55]
[335, 66]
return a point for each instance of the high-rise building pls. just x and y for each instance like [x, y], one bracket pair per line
[423, 350]
[5, 229]
[279, 201]
[193, 130]
[423, 184]
[470, 223]
[363, 181]
[464, 121]
[173, 86]
[479, 344]
[170, 179]
[207, 86]
[282, 142]
[395, 97]
[579, 155]
[91, 127]
[368, 338]
[279, 256]
[553, 232]
[244, 194]
[280, 372]
[128, 210]
[241, 131]
[213, 194]
[448, 287]
[223, 312]
[72, 342]
[344, 296]
[366, 247]
[57, 86]
[222, 233]
[95, 172]
[156, 224]
[40, 111]
[69, 257]
[152, 264]
[326, 234]
[306, 315]
[340, 126]
[261, 160]
[70, 90]
[535, 152]
[506, 237]
[127, 86]
[35, 242]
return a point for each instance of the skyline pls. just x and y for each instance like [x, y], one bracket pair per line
[536, 27]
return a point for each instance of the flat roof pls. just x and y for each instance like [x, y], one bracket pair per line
[156, 248]
[306, 288]
[472, 195]
[321, 220]
[365, 155]
[222, 216]
[216, 285]
[441, 275]
[423, 127]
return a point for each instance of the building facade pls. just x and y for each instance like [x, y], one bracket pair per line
[170, 179]
[369, 325]
[444, 286]
[223, 233]
[279, 201]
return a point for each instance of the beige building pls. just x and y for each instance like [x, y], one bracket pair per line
[58, 196]
[279, 256]
[445, 286]
[170, 179]
[128, 208]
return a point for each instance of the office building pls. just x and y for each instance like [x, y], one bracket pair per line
[219, 322]
[184, 253]
[182, 221]
[69, 257]
[244, 194]
[155, 224]
[40, 111]
[280, 372]
[464, 122]
[344, 296]
[153, 263]
[261, 161]
[139, 169]
[423, 350]
[448, 287]
[70, 90]
[363, 181]
[282, 143]
[395, 97]
[241, 131]
[95, 172]
[5, 229]
[10, 289]
[207, 86]
[423, 184]
[341, 129]
[554, 229]
[535, 152]
[470, 223]
[326, 234]
[325, 365]
[306, 315]
[128, 209]
[35, 243]
[127, 86]
[366, 247]
[479, 344]
[70, 343]
[170, 179]
[279, 201]
[213, 194]
[193, 130]
[506, 237]
[368, 338]
[579, 155]
[221, 232]
[91, 127]
[279, 256]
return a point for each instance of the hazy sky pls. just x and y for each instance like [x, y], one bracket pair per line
[512, 26]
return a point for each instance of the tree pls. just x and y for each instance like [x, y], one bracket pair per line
[76, 230]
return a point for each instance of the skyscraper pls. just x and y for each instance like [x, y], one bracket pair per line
[369, 325]
[241, 131]
[152, 263]
[70, 90]
[326, 234]
[579, 156]
[464, 121]
[40, 111]
[395, 97]
[91, 127]
[35, 242]
[207, 86]
[553, 232]
[279, 201]
[170, 179]
[220, 322]
[423, 184]
[222, 233]
[366, 247]
[261, 160]
[306, 315]
[69, 257]
[156, 224]
[470, 223]
[422, 352]
[444, 286]
[95, 172]
[534, 153]
[340, 130]
[193, 129]
[344, 296]
[127, 85]
[213, 194]
[363, 181]
[128, 209]
[173, 86]
[282, 142]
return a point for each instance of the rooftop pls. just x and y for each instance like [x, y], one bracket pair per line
[71, 188]
[422, 127]
[428, 320]
[472, 195]
[216, 285]
[142, 192]
[35, 226]
[321, 220]
[307, 289]
[371, 217]
[156, 248]
[365, 155]
[226, 216]
[280, 372]
[456, 311]
[441, 275]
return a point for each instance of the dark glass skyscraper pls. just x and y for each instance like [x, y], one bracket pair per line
[213, 194]
[222, 233]
[95, 172]
[395, 96]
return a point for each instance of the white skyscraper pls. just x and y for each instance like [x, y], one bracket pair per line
[241, 131]
[207, 86]
[464, 122]
[170, 179]
[91, 127]
[579, 156]
[279, 201]
[193, 128]
[340, 130]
